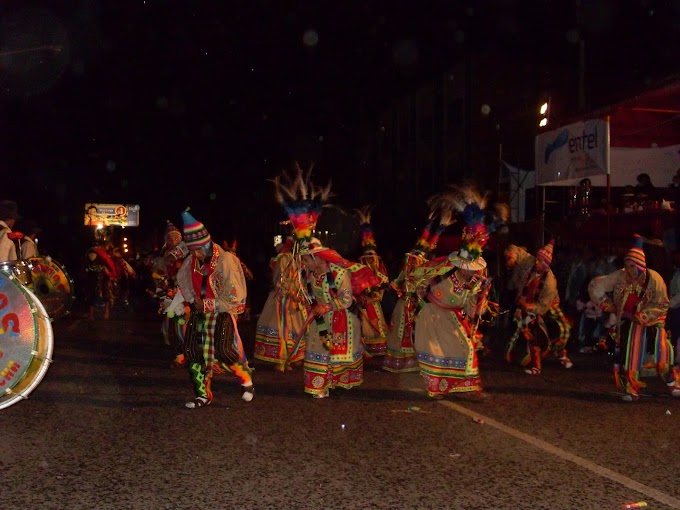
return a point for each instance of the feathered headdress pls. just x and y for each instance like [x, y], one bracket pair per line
[303, 202]
[367, 240]
[480, 223]
[230, 247]
[446, 218]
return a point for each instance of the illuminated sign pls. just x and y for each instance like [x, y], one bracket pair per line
[104, 215]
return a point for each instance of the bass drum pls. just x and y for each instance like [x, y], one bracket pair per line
[19, 269]
[53, 286]
[26, 341]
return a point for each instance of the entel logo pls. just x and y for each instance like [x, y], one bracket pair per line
[576, 143]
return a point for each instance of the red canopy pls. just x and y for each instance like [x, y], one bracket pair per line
[649, 119]
[652, 117]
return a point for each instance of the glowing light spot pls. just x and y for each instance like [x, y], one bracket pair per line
[310, 38]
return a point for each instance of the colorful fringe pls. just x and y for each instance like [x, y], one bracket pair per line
[634, 351]
[320, 374]
[449, 375]
[374, 329]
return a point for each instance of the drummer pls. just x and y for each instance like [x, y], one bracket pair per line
[29, 243]
[9, 213]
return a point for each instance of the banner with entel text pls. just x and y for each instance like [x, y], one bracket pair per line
[571, 153]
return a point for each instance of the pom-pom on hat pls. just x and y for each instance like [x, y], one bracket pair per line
[636, 254]
[546, 253]
[195, 234]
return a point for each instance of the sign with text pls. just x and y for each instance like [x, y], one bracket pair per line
[572, 153]
[106, 215]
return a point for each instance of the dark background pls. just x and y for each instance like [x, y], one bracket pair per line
[169, 104]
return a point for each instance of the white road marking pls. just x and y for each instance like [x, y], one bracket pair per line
[643, 489]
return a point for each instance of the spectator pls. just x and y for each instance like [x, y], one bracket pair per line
[645, 190]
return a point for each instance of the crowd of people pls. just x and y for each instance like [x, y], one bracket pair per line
[324, 313]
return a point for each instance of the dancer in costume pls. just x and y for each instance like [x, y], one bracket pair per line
[100, 275]
[538, 301]
[400, 355]
[212, 281]
[246, 272]
[519, 262]
[455, 296]
[374, 328]
[334, 352]
[173, 253]
[640, 301]
[280, 323]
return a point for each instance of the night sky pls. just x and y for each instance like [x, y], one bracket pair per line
[174, 103]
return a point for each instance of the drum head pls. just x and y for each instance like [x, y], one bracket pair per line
[19, 269]
[26, 341]
[53, 286]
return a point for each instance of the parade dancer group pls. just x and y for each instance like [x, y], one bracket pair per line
[324, 311]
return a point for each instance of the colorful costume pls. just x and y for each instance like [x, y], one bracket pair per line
[100, 275]
[538, 300]
[374, 328]
[640, 301]
[212, 281]
[519, 262]
[165, 277]
[334, 352]
[455, 297]
[246, 272]
[284, 314]
[400, 355]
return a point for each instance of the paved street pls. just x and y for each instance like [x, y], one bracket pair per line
[107, 429]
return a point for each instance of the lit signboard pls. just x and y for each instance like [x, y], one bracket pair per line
[106, 215]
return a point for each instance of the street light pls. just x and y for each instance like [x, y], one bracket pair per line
[544, 112]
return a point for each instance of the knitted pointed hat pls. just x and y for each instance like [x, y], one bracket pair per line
[546, 253]
[195, 234]
[171, 230]
[636, 254]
